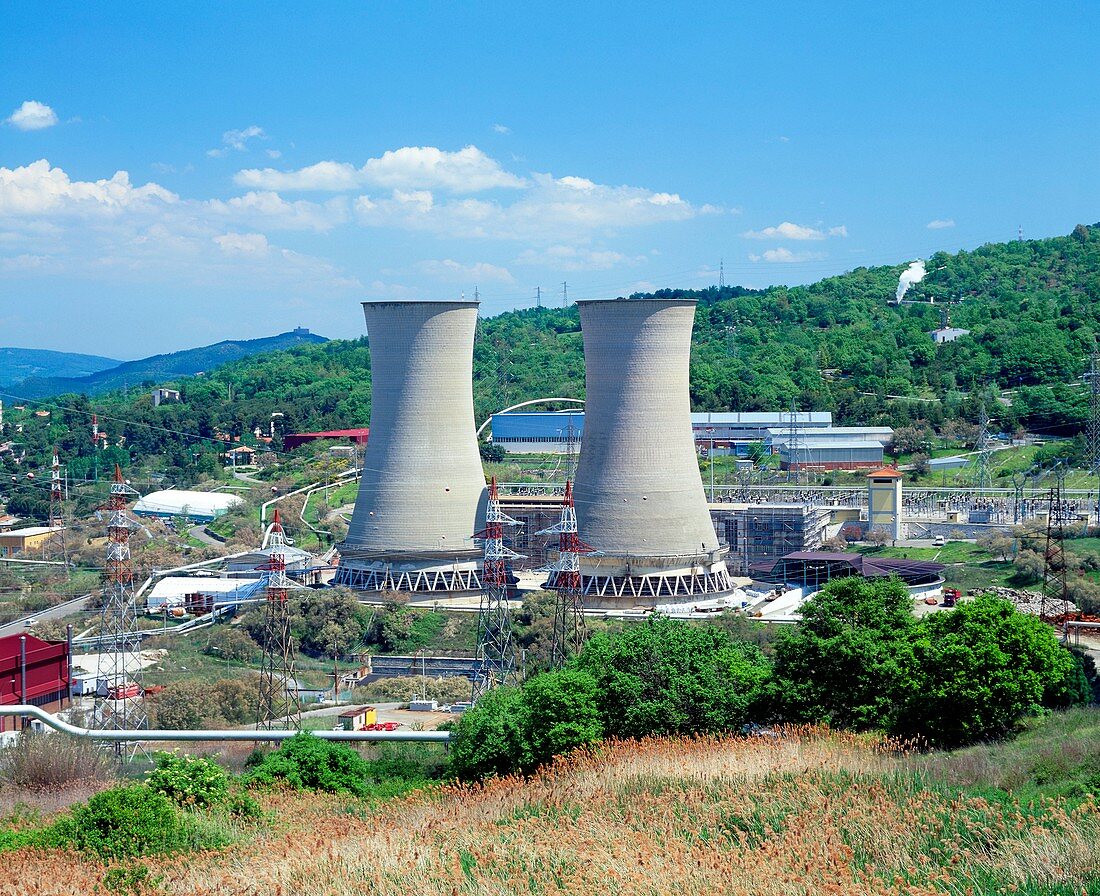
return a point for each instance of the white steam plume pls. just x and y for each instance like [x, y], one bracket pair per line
[912, 274]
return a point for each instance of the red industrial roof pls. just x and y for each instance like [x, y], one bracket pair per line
[335, 433]
[885, 473]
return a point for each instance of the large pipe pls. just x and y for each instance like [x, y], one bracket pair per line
[164, 734]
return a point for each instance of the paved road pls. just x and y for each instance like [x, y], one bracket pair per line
[58, 612]
[199, 532]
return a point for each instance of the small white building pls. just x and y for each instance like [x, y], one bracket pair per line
[947, 334]
[174, 591]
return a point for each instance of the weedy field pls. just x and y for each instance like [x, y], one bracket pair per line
[804, 812]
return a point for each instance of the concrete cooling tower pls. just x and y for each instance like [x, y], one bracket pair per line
[639, 496]
[422, 495]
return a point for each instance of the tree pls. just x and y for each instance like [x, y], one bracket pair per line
[560, 714]
[999, 545]
[489, 739]
[981, 668]
[847, 663]
[671, 677]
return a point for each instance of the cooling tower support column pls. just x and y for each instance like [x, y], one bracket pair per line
[639, 496]
[422, 493]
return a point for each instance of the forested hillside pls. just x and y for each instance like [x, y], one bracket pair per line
[840, 344]
[17, 364]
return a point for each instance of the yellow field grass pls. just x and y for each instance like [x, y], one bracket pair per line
[806, 813]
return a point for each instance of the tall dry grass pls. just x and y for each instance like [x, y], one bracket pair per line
[806, 813]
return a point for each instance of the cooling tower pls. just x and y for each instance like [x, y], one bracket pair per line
[422, 494]
[639, 497]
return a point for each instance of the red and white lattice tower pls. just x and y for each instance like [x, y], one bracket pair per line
[121, 697]
[278, 699]
[55, 547]
[565, 579]
[496, 653]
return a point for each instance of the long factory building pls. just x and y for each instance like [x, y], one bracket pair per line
[808, 441]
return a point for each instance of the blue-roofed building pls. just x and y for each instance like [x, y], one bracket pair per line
[545, 432]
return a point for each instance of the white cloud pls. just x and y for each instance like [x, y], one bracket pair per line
[502, 129]
[573, 258]
[32, 116]
[566, 209]
[785, 231]
[838, 231]
[940, 224]
[242, 243]
[238, 140]
[16, 263]
[468, 170]
[273, 153]
[39, 188]
[479, 272]
[783, 255]
[266, 208]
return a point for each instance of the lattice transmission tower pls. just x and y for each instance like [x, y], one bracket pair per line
[982, 476]
[277, 700]
[495, 652]
[56, 547]
[120, 696]
[570, 631]
[1055, 599]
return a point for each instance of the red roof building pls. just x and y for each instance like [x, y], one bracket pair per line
[33, 671]
[355, 436]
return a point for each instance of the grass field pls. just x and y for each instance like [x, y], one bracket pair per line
[803, 813]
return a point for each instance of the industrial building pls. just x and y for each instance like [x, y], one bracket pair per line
[760, 533]
[639, 496]
[812, 570]
[29, 540]
[422, 494]
[200, 592]
[33, 671]
[356, 436]
[776, 437]
[200, 507]
[552, 432]
[813, 453]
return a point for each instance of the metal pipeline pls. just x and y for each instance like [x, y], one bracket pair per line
[164, 734]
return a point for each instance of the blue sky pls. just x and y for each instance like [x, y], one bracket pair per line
[193, 172]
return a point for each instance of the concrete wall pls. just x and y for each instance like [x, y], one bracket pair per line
[638, 489]
[423, 490]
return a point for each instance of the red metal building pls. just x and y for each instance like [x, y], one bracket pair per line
[355, 436]
[33, 671]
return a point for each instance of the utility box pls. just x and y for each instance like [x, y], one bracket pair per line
[423, 706]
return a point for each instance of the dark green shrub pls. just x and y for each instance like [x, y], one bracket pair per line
[305, 762]
[490, 737]
[127, 821]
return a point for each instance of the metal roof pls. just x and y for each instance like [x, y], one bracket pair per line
[179, 502]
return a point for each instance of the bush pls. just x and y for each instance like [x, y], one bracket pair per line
[490, 738]
[670, 677]
[305, 762]
[42, 761]
[560, 715]
[979, 670]
[129, 821]
[189, 780]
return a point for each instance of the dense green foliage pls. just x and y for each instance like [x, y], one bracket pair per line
[518, 729]
[133, 820]
[668, 677]
[840, 344]
[305, 762]
[859, 660]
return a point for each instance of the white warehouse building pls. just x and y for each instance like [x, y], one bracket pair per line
[202, 507]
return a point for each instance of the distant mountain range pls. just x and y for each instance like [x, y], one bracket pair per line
[88, 375]
[18, 364]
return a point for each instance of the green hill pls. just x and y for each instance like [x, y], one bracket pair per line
[841, 344]
[160, 368]
[17, 364]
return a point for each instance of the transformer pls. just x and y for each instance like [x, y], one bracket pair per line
[639, 496]
[422, 493]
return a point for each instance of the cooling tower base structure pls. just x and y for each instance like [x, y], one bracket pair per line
[628, 581]
[415, 576]
[639, 496]
[422, 494]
